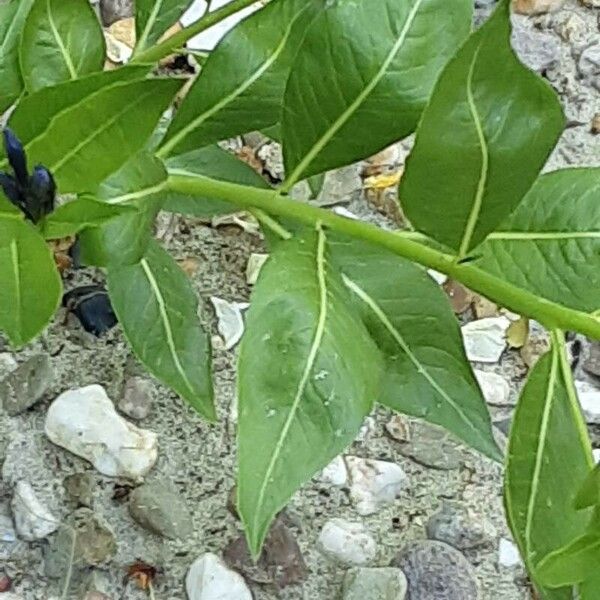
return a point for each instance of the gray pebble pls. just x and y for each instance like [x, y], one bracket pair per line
[432, 447]
[458, 526]
[80, 488]
[536, 49]
[159, 508]
[591, 358]
[112, 11]
[437, 571]
[136, 400]
[387, 583]
[26, 385]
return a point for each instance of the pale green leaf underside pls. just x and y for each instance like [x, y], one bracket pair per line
[549, 457]
[307, 376]
[61, 40]
[357, 62]
[139, 184]
[157, 310]
[31, 287]
[488, 129]
[241, 86]
[213, 162]
[427, 373]
[551, 244]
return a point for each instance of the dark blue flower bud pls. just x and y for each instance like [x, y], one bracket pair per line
[16, 156]
[41, 193]
[10, 189]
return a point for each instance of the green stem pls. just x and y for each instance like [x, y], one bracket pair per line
[179, 39]
[549, 314]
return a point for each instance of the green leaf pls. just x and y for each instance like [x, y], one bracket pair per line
[32, 115]
[154, 17]
[360, 61]
[588, 589]
[308, 375]
[212, 162]
[30, 287]
[427, 373]
[549, 456]
[241, 86]
[551, 244]
[157, 310]
[589, 492]
[87, 142]
[61, 40]
[572, 564]
[75, 216]
[139, 184]
[12, 19]
[486, 133]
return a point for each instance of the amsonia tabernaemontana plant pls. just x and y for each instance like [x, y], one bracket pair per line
[344, 314]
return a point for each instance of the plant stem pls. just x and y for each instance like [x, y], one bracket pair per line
[549, 314]
[179, 39]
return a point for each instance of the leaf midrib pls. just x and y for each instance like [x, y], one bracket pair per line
[422, 369]
[345, 116]
[59, 41]
[195, 123]
[149, 25]
[542, 235]
[485, 162]
[162, 308]
[310, 361]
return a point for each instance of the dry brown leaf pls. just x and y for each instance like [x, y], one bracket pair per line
[248, 155]
[142, 573]
[189, 266]
[460, 297]
[383, 181]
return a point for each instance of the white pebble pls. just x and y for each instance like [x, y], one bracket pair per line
[255, 264]
[335, 473]
[589, 398]
[494, 387]
[508, 554]
[210, 579]
[230, 321]
[346, 542]
[84, 421]
[485, 339]
[374, 483]
[33, 521]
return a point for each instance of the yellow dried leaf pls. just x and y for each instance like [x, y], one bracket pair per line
[518, 333]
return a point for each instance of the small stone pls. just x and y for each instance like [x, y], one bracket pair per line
[536, 346]
[7, 364]
[494, 387]
[255, 264]
[508, 554]
[80, 488]
[136, 400]
[589, 398]
[591, 358]
[374, 483]
[33, 521]
[537, 49]
[596, 455]
[83, 541]
[115, 10]
[26, 385]
[7, 530]
[230, 321]
[346, 542]
[459, 527]
[281, 561]
[536, 7]
[596, 121]
[335, 473]
[589, 64]
[5, 583]
[95, 596]
[386, 583]
[432, 447]
[85, 422]
[210, 579]
[485, 339]
[160, 509]
[399, 428]
[436, 570]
